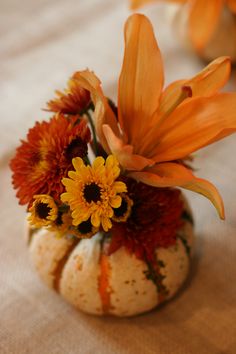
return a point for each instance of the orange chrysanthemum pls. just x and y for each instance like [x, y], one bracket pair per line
[46, 156]
[204, 16]
[157, 129]
[74, 100]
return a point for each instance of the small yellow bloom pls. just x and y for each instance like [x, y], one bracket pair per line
[122, 213]
[93, 192]
[44, 211]
[84, 230]
[62, 223]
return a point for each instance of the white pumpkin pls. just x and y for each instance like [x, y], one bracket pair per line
[222, 43]
[117, 284]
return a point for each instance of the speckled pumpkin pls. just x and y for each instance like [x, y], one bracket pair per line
[118, 284]
[222, 43]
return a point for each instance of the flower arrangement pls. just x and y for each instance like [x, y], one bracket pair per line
[100, 167]
[211, 25]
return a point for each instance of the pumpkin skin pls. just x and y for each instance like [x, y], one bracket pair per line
[223, 41]
[99, 284]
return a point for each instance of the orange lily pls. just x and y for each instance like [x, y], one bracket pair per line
[135, 4]
[204, 16]
[156, 130]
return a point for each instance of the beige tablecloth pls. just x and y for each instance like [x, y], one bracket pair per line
[42, 43]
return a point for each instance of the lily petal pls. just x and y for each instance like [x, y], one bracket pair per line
[232, 5]
[208, 82]
[141, 78]
[103, 113]
[197, 122]
[212, 78]
[124, 153]
[203, 19]
[135, 4]
[176, 175]
[172, 96]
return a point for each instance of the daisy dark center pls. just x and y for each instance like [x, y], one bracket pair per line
[76, 148]
[85, 227]
[42, 210]
[118, 212]
[92, 192]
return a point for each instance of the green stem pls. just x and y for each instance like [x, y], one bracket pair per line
[90, 119]
[86, 159]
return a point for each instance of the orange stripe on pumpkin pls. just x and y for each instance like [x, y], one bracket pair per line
[103, 283]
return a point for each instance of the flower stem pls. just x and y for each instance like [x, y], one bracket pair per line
[95, 143]
[87, 161]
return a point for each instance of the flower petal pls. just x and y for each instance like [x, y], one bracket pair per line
[176, 175]
[135, 4]
[120, 187]
[103, 113]
[98, 162]
[232, 5]
[141, 78]
[203, 19]
[115, 202]
[124, 153]
[106, 223]
[194, 124]
[95, 219]
[212, 78]
[208, 82]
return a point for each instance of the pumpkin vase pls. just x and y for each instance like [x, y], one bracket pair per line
[119, 284]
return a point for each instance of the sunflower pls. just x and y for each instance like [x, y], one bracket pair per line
[43, 211]
[45, 157]
[157, 130]
[74, 100]
[204, 17]
[93, 192]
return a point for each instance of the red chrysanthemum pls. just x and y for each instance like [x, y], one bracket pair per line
[154, 220]
[73, 100]
[45, 157]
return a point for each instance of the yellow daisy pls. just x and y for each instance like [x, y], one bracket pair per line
[43, 211]
[93, 192]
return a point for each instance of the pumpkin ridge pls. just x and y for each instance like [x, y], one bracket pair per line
[61, 264]
[31, 232]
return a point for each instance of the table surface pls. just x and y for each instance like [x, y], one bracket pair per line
[42, 43]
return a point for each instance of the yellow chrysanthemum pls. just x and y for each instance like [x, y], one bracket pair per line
[43, 211]
[93, 192]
